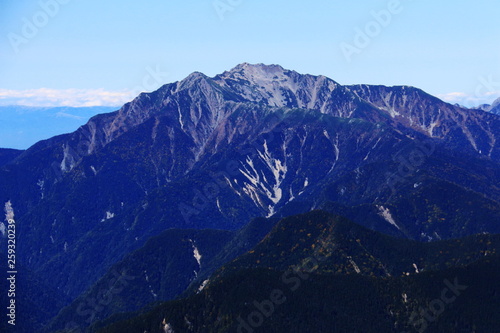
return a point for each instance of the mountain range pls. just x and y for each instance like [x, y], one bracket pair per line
[320, 273]
[493, 108]
[181, 183]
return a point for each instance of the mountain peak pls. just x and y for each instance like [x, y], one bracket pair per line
[277, 86]
[193, 77]
[256, 72]
[496, 103]
[246, 65]
[495, 107]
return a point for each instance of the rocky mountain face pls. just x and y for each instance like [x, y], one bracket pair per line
[256, 141]
[472, 130]
[495, 107]
[162, 269]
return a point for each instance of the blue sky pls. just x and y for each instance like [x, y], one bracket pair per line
[89, 52]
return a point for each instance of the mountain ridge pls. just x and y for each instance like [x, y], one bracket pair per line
[304, 257]
[255, 141]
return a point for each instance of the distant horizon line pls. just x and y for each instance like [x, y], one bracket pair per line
[486, 93]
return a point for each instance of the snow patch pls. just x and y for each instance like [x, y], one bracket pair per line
[325, 133]
[271, 211]
[196, 253]
[252, 175]
[166, 327]
[218, 206]
[279, 171]
[9, 215]
[306, 183]
[231, 185]
[258, 184]
[9, 211]
[292, 197]
[342, 191]
[336, 147]
[41, 186]
[203, 285]
[390, 107]
[386, 214]
[253, 194]
[356, 268]
[181, 122]
[146, 277]
[68, 162]
[425, 236]
[375, 146]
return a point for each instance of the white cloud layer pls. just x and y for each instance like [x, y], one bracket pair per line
[65, 97]
[99, 97]
[470, 100]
